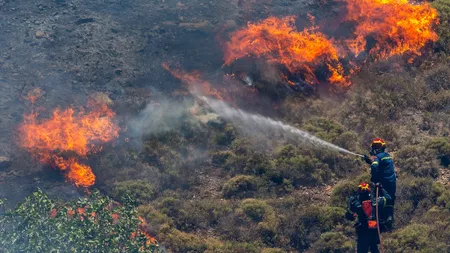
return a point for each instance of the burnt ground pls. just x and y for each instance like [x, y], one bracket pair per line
[72, 49]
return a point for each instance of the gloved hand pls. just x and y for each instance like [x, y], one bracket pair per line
[367, 159]
[349, 216]
[379, 185]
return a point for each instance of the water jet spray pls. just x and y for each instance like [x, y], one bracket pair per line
[264, 123]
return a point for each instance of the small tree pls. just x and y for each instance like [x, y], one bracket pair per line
[93, 224]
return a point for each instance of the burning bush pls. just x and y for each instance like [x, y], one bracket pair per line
[67, 136]
[279, 42]
[396, 26]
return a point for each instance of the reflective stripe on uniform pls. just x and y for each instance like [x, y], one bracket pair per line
[385, 158]
[374, 163]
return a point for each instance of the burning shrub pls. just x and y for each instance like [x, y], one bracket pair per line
[68, 136]
[396, 26]
[279, 42]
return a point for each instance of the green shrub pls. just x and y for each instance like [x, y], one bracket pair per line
[255, 209]
[444, 199]
[240, 187]
[324, 128]
[343, 190]
[415, 238]
[443, 30]
[298, 168]
[158, 222]
[219, 158]
[215, 246]
[333, 242]
[94, 224]
[202, 213]
[272, 250]
[184, 242]
[439, 78]
[322, 218]
[414, 197]
[417, 161]
[442, 147]
[141, 190]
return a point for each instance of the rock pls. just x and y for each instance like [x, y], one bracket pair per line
[181, 6]
[205, 26]
[5, 162]
[84, 21]
[40, 34]
[230, 24]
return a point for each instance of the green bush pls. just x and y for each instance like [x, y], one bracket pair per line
[219, 158]
[157, 221]
[415, 238]
[202, 213]
[443, 30]
[298, 168]
[442, 147]
[185, 242]
[343, 190]
[417, 161]
[324, 128]
[333, 242]
[438, 79]
[272, 250]
[141, 190]
[94, 224]
[255, 209]
[240, 187]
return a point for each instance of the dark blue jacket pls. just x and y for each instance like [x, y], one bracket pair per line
[382, 169]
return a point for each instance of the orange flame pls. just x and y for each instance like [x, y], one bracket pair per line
[194, 81]
[69, 133]
[396, 25]
[278, 41]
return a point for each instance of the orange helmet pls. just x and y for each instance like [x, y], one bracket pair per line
[378, 143]
[363, 187]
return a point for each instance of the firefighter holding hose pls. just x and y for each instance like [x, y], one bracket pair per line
[371, 212]
[382, 173]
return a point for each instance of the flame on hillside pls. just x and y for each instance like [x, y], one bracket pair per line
[194, 81]
[278, 41]
[67, 136]
[397, 26]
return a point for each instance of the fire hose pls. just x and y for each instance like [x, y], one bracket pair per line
[378, 223]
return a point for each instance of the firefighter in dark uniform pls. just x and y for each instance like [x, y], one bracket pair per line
[363, 206]
[382, 171]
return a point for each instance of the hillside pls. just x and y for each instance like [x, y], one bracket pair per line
[129, 76]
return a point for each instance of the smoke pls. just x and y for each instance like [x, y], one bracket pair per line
[274, 129]
[161, 116]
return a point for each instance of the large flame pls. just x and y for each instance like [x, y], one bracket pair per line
[68, 135]
[278, 41]
[397, 26]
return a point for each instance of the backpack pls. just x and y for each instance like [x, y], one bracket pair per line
[367, 208]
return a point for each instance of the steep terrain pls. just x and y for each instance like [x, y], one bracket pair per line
[205, 184]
